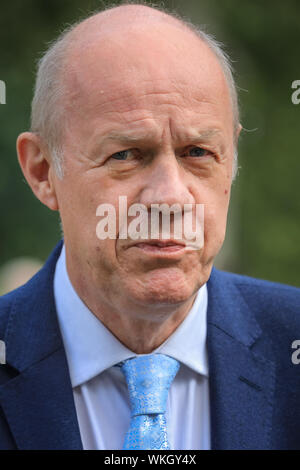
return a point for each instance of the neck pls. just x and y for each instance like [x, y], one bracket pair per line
[140, 327]
[142, 335]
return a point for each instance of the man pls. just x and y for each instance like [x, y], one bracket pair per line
[134, 103]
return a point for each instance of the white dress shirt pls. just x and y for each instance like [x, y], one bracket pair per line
[100, 390]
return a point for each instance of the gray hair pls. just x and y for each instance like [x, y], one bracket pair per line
[47, 111]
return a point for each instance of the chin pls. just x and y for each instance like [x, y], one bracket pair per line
[164, 287]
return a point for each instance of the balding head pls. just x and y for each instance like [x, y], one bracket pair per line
[94, 41]
[123, 17]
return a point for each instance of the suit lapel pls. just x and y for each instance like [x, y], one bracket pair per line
[38, 403]
[241, 380]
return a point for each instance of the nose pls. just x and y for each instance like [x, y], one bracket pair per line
[166, 183]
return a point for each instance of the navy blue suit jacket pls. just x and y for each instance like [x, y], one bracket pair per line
[254, 386]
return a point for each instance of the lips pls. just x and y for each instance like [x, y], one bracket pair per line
[160, 243]
[160, 247]
[163, 244]
[156, 248]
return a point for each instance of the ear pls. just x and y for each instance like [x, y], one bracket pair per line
[37, 168]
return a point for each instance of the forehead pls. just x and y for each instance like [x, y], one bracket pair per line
[121, 73]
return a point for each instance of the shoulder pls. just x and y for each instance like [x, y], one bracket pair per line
[276, 306]
[25, 297]
[263, 289]
[6, 303]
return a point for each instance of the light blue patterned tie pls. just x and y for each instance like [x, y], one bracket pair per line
[148, 379]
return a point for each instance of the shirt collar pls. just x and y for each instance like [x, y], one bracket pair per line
[91, 348]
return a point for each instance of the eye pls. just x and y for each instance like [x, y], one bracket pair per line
[121, 155]
[197, 152]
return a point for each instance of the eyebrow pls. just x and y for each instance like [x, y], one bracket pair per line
[204, 134]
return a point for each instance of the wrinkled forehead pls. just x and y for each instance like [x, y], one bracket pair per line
[119, 69]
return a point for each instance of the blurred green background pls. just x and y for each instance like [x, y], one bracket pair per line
[263, 40]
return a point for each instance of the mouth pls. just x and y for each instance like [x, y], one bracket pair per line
[160, 247]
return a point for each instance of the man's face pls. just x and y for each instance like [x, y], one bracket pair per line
[149, 117]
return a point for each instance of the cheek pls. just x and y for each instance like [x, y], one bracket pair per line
[215, 218]
[77, 206]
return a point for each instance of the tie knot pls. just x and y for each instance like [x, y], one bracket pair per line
[148, 379]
